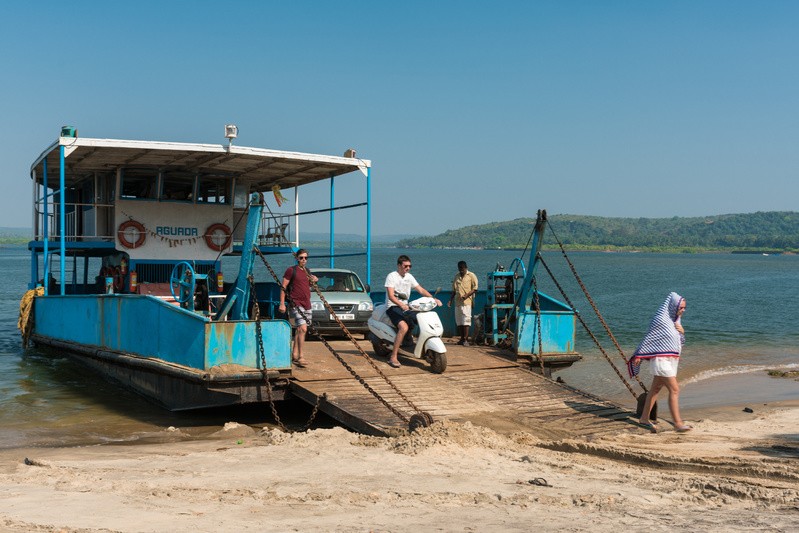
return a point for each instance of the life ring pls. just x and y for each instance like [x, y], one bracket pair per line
[122, 232]
[212, 236]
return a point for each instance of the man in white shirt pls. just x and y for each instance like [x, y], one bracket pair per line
[398, 289]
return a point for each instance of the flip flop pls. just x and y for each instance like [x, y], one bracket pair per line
[392, 364]
[683, 428]
[302, 363]
[650, 426]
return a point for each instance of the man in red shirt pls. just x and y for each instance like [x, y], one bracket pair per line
[297, 284]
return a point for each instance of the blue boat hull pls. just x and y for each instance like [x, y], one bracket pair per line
[180, 359]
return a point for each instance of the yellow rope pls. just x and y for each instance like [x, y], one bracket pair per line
[25, 323]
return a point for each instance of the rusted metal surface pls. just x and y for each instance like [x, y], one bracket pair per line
[481, 385]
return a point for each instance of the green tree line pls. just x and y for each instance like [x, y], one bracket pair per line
[761, 231]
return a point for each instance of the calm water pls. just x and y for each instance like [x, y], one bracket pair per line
[740, 319]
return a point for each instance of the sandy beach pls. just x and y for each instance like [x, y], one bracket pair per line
[736, 471]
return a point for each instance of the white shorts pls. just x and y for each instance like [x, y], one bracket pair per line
[463, 315]
[665, 367]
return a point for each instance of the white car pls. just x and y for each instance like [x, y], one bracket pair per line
[348, 297]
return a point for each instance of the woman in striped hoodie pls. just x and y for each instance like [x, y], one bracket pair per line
[661, 347]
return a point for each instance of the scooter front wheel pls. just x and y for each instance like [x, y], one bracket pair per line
[379, 348]
[438, 361]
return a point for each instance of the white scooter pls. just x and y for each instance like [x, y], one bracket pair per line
[429, 345]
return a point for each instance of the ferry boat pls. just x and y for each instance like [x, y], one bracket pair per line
[127, 250]
[126, 276]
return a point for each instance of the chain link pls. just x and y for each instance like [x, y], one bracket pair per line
[585, 326]
[540, 353]
[259, 340]
[591, 301]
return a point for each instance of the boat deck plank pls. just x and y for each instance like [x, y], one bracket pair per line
[482, 385]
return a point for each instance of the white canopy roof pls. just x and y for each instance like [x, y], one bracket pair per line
[260, 167]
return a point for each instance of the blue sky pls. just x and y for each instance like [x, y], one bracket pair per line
[471, 112]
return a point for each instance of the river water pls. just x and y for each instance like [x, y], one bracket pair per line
[740, 321]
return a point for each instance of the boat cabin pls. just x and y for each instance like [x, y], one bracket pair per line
[128, 211]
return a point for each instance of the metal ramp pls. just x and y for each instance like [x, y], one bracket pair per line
[479, 386]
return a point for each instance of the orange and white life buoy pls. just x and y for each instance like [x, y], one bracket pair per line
[217, 237]
[131, 234]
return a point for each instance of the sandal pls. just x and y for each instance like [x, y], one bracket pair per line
[393, 364]
[302, 363]
[647, 425]
[683, 428]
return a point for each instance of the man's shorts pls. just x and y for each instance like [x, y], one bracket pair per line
[463, 315]
[301, 315]
[397, 315]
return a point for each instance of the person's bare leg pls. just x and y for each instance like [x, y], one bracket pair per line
[402, 329]
[674, 401]
[299, 343]
[651, 398]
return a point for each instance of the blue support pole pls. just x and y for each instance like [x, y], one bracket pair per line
[63, 217]
[240, 295]
[369, 226]
[332, 221]
[538, 238]
[46, 230]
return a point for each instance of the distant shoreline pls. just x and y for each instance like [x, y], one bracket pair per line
[21, 243]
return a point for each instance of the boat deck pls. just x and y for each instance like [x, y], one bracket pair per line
[481, 385]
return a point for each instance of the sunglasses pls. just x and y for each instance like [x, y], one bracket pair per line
[301, 258]
[406, 266]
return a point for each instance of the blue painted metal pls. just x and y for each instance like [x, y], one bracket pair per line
[369, 226]
[241, 287]
[81, 245]
[332, 260]
[172, 334]
[538, 239]
[62, 200]
[46, 234]
[558, 321]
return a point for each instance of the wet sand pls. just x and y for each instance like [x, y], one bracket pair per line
[735, 471]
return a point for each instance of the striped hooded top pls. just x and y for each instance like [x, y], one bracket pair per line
[662, 339]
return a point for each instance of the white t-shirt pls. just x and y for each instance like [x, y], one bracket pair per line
[401, 285]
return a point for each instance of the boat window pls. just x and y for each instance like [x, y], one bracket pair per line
[178, 187]
[138, 184]
[213, 190]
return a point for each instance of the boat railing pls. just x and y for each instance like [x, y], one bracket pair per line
[275, 230]
[82, 222]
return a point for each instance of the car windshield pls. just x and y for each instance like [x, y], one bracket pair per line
[338, 282]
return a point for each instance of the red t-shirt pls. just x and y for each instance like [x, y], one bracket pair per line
[300, 292]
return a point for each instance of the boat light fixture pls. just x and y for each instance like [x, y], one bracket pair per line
[350, 153]
[69, 131]
[231, 132]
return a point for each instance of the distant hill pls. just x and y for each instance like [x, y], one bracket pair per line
[14, 235]
[767, 231]
[355, 238]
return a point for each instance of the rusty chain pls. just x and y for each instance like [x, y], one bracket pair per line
[540, 353]
[259, 339]
[335, 354]
[585, 326]
[591, 301]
